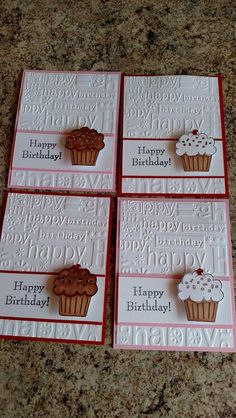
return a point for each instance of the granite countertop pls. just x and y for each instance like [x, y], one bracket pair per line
[176, 37]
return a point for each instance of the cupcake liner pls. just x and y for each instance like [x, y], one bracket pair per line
[74, 305]
[196, 162]
[204, 311]
[87, 157]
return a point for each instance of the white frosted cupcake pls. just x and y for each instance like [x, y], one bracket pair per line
[196, 150]
[201, 294]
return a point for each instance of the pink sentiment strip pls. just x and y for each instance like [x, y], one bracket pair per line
[173, 177]
[175, 324]
[19, 318]
[71, 72]
[31, 131]
[162, 276]
[159, 139]
[47, 170]
[175, 348]
[16, 186]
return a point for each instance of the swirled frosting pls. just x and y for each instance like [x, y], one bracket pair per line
[75, 281]
[200, 287]
[85, 139]
[195, 143]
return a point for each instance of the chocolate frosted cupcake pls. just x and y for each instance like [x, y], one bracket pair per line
[84, 145]
[75, 286]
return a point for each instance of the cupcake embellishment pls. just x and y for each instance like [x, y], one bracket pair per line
[196, 150]
[75, 287]
[201, 294]
[84, 145]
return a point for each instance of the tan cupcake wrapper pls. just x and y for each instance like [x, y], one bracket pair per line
[204, 311]
[86, 157]
[74, 305]
[196, 162]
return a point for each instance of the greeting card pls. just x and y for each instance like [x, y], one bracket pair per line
[53, 267]
[66, 131]
[172, 136]
[174, 280]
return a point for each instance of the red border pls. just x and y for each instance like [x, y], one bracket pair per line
[107, 270]
[116, 147]
[15, 129]
[112, 190]
[48, 340]
[121, 120]
[220, 87]
[103, 323]
[163, 75]
[3, 210]
[169, 195]
[72, 72]
[115, 322]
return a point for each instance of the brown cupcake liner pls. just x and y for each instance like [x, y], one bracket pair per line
[196, 162]
[201, 311]
[74, 305]
[86, 157]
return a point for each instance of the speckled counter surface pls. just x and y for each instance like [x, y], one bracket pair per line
[174, 37]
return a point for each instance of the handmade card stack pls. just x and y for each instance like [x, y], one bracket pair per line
[174, 280]
[54, 248]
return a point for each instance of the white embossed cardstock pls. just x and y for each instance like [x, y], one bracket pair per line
[170, 255]
[54, 266]
[51, 105]
[156, 112]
